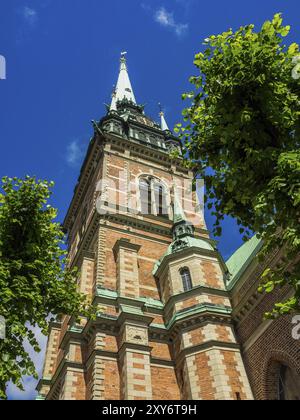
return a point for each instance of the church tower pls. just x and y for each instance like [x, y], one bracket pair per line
[137, 234]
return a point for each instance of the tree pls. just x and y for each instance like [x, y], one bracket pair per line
[242, 136]
[35, 284]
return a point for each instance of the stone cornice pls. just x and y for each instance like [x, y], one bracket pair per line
[162, 362]
[125, 243]
[137, 223]
[149, 223]
[184, 252]
[170, 167]
[60, 371]
[110, 297]
[142, 149]
[131, 314]
[70, 336]
[191, 317]
[116, 355]
[205, 346]
[195, 291]
[198, 315]
[134, 347]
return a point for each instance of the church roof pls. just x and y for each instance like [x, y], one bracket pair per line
[241, 259]
[187, 242]
[163, 124]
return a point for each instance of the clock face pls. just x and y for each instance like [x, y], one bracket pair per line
[144, 120]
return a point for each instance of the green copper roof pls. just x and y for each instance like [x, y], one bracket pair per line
[163, 124]
[240, 260]
[183, 235]
[179, 245]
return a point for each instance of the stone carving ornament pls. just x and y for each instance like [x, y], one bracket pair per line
[137, 335]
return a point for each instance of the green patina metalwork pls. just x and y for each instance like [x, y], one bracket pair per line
[113, 295]
[153, 303]
[182, 244]
[197, 310]
[241, 259]
[183, 235]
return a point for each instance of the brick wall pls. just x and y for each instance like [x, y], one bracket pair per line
[112, 389]
[164, 383]
[275, 346]
[266, 344]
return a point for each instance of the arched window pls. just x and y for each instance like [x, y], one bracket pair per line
[153, 197]
[288, 384]
[160, 200]
[186, 279]
[142, 135]
[145, 196]
[152, 140]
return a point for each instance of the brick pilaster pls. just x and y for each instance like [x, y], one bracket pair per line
[126, 255]
[134, 356]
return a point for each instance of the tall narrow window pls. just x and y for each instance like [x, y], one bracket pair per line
[145, 196]
[186, 279]
[161, 200]
[83, 222]
[281, 384]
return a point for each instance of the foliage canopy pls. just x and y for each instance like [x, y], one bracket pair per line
[242, 136]
[35, 283]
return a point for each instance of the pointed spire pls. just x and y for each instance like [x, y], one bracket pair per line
[163, 123]
[123, 88]
[178, 213]
[181, 226]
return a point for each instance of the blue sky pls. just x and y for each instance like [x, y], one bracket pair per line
[62, 59]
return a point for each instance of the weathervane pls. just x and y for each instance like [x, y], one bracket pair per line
[123, 56]
[161, 112]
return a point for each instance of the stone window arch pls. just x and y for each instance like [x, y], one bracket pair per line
[145, 196]
[160, 198]
[186, 279]
[288, 384]
[154, 197]
[142, 136]
[282, 380]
